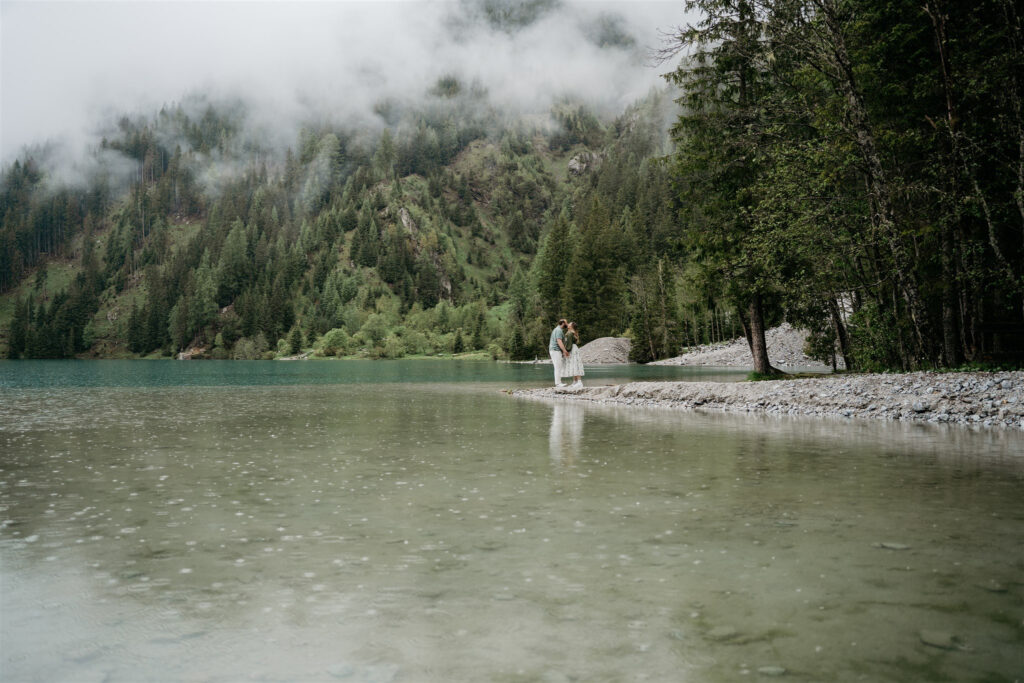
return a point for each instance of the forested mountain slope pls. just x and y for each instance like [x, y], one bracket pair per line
[419, 237]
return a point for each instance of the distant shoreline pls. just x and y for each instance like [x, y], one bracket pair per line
[979, 399]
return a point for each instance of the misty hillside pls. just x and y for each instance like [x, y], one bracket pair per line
[450, 228]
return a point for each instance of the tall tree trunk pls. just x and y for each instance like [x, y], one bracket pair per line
[950, 321]
[758, 345]
[840, 330]
[745, 324]
[950, 343]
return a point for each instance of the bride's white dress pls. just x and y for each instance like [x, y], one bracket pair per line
[573, 366]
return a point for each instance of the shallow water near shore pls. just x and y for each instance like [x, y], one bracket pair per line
[312, 526]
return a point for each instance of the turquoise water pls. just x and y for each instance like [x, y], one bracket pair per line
[156, 373]
[408, 521]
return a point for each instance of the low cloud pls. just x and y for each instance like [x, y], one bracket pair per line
[71, 68]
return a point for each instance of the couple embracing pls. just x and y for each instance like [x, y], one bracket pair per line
[565, 354]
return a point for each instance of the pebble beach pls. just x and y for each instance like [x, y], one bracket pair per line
[977, 399]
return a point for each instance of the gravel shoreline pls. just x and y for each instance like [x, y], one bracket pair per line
[981, 399]
[785, 350]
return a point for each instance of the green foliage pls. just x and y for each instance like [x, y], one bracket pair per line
[374, 330]
[394, 347]
[841, 159]
[552, 266]
[761, 377]
[594, 285]
[295, 341]
[579, 126]
[655, 329]
[58, 328]
[251, 349]
[335, 342]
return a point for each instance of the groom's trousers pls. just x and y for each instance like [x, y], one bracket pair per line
[556, 360]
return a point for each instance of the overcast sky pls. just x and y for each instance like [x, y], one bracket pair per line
[67, 67]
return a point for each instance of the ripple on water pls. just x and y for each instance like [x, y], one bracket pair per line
[457, 533]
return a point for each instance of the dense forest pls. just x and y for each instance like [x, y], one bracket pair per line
[860, 165]
[854, 168]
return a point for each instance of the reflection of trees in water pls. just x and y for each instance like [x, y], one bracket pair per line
[566, 433]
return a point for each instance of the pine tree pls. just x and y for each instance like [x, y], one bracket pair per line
[136, 330]
[178, 328]
[726, 82]
[594, 284]
[20, 327]
[295, 341]
[552, 265]
[233, 269]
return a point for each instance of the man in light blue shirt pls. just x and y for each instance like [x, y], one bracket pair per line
[556, 347]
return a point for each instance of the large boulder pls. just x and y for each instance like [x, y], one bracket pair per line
[605, 351]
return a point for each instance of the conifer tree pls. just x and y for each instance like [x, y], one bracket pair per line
[552, 266]
[295, 341]
[458, 345]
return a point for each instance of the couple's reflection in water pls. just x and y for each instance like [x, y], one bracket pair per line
[565, 434]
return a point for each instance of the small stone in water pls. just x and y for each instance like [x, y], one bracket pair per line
[993, 586]
[555, 677]
[341, 670]
[893, 546]
[771, 670]
[938, 639]
[722, 633]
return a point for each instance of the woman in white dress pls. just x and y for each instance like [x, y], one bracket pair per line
[574, 364]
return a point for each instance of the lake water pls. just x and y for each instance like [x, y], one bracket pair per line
[408, 521]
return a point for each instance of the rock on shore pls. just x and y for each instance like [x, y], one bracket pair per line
[601, 351]
[606, 351]
[989, 399]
